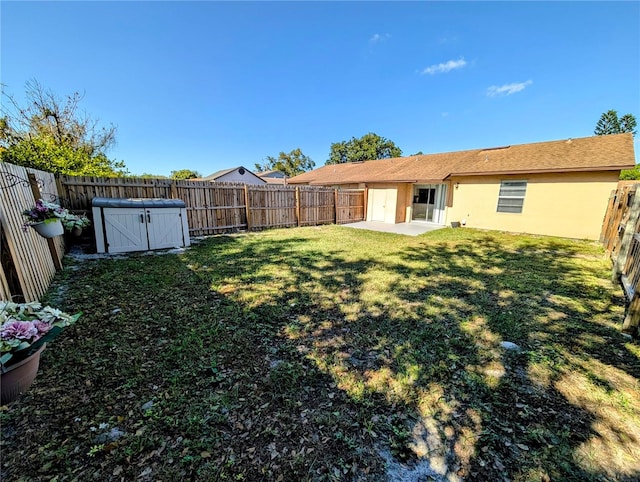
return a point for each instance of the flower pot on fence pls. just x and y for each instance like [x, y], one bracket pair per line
[49, 229]
[16, 379]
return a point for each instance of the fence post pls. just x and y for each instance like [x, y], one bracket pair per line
[632, 319]
[366, 200]
[335, 205]
[55, 256]
[174, 189]
[298, 205]
[246, 202]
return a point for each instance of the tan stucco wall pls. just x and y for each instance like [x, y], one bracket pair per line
[569, 204]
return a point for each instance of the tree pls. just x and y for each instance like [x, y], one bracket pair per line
[148, 175]
[609, 123]
[368, 147]
[49, 133]
[630, 174]
[183, 174]
[292, 164]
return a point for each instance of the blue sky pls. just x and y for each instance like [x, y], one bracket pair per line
[212, 85]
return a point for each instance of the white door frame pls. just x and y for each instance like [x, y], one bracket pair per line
[433, 212]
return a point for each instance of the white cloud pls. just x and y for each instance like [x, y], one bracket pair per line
[445, 67]
[507, 89]
[379, 38]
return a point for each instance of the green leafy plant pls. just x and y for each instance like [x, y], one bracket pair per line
[73, 221]
[25, 327]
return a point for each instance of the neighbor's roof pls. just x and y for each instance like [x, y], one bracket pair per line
[598, 153]
[219, 174]
[272, 173]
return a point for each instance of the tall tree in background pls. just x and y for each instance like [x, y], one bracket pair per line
[292, 164]
[184, 174]
[49, 133]
[610, 123]
[368, 147]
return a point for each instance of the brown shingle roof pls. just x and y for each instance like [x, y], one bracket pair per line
[598, 153]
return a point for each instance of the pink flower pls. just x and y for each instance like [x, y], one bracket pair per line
[21, 330]
[42, 327]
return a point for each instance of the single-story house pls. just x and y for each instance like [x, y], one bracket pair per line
[557, 188]
[235, 174]
[273, 177]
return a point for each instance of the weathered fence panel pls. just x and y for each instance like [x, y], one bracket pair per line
[621, 239]
[317, 206]
[271, 206]
[214, 208]
[350, 204]
[212, 211]
[28, 261]
[616, 218]
[78, 191]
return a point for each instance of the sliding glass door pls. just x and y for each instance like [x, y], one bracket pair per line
[428, 202]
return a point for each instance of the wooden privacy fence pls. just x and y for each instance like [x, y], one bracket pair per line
[28, 262]
[616, 218]
[214, 208]
[621, 239]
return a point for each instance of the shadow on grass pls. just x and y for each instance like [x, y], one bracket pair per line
[312, 354]
[418, 334]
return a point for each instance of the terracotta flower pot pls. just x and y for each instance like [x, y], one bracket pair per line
[16, 379]
[50, 229]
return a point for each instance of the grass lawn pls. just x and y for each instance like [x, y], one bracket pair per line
[336, 354]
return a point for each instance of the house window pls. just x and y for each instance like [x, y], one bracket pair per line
[511, 197]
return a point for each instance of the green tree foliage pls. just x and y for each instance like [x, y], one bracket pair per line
[368, 147]
[49, 133]
[292, 164]
[183, 174]
[610, 123]
[630, 174]
[148, 175]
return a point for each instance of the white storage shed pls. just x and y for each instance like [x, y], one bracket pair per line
[126, 225]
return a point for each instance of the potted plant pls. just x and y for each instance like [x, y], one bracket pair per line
[25, 328]
[45, 218]
[75, 223]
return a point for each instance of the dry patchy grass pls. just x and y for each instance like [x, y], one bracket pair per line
[337, 354]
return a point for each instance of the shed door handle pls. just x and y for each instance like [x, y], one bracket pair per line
[148, 217]
[142, 218]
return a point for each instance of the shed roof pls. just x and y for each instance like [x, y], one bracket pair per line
[597, 153]
[106, 202]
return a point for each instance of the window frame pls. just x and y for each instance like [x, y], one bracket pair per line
[504, 194]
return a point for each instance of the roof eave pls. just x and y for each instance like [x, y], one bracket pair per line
[542, 171]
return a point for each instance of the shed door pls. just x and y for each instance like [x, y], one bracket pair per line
[125, 230]
[383, 205]
[165, 228]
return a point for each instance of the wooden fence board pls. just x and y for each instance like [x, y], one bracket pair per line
[214, 208]
[621, 239]
[30, 254]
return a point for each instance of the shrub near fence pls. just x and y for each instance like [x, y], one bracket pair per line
[214, 208]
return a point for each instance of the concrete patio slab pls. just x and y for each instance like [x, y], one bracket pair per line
[408, 229]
